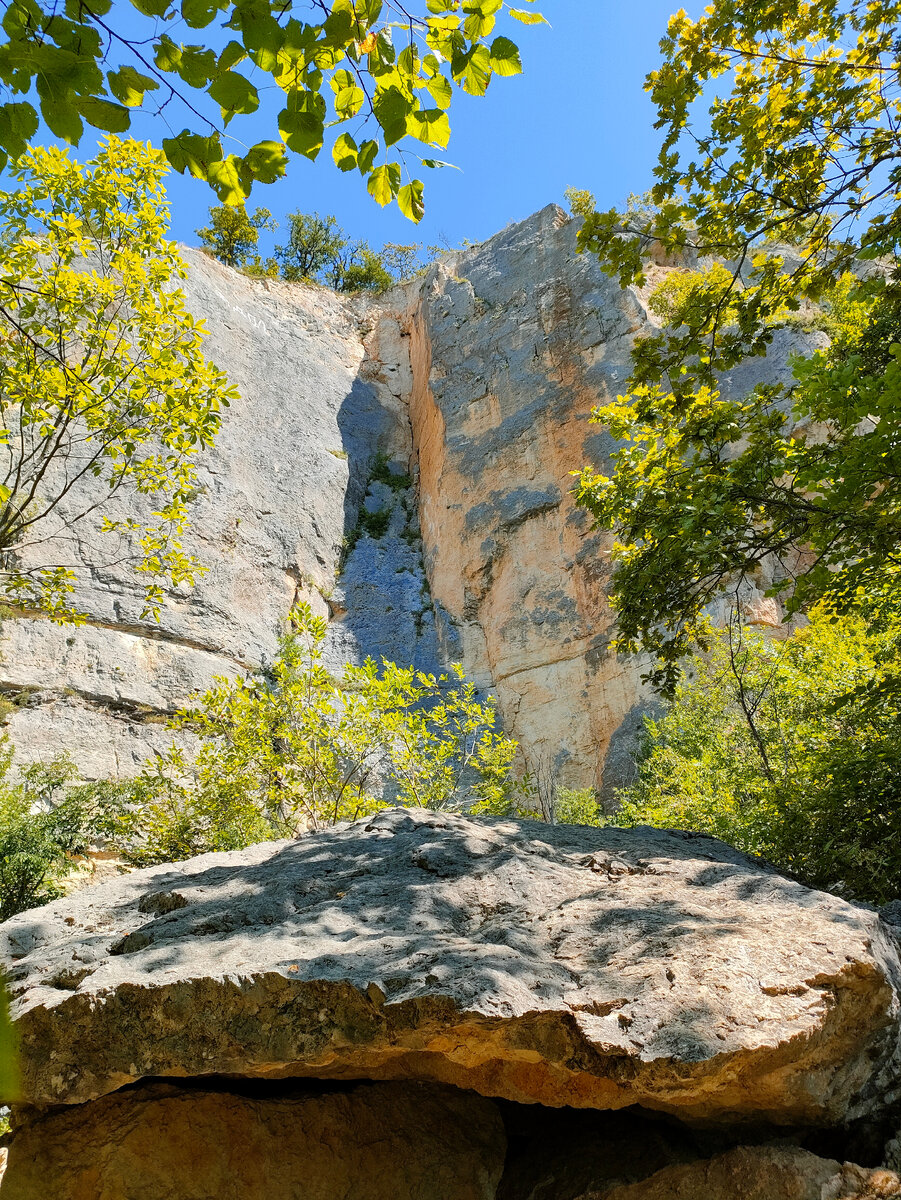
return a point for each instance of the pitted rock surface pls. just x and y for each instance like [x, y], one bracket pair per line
[560, 965]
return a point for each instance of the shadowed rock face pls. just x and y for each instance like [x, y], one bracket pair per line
[557, 965]
[379, 1141]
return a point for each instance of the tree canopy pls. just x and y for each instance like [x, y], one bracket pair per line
[788, 749]
[380, 66]
[781, 163]
[233, 233]
[104, 391]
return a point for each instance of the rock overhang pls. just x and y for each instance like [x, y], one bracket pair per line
[557, 965]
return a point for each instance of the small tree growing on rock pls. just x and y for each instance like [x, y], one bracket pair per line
[233, 233]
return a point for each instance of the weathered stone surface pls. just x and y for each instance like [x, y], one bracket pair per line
[760, 1173]
[480, 378]
[276, 498]
[563, 1154]
[563, 965]
[380, 1141]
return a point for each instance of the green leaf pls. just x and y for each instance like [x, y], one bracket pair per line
[227, 177]
[233, 53]
[479, 23]
[384, 183]
[505, 58]
[366, 156]
[527, 18]
[344, 152]
[166, 54]
[18, 125]
[103, 114]
[439, 88]
[349, 101]
[266, 161]
[392, 109]
[199, 13]
[430, 125]
[192, 153]
[302, 123]
[152, 8]
[129, 85]
[234, 93]
[410, 202]
[197, 66]
[472, 70]
[62, 119]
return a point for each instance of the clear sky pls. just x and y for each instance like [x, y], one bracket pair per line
[577, 116]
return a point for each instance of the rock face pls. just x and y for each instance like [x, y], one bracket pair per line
[165, 1143]
[557, 965]
[764, 1173]
[477, 380]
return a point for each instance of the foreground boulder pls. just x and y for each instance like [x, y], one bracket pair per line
[380, 1141]
[552, 965]
[760, 1173]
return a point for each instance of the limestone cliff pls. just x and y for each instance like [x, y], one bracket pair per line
[477, 379]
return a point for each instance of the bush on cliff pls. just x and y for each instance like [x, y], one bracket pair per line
[47, 819]
[295, 748]
[787, 749]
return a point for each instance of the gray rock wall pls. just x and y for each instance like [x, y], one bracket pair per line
[477, 380]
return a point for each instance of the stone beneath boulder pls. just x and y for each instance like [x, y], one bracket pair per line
[760, 1173]
[382, 1141]
[558, 965]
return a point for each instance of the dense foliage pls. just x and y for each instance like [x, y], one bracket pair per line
[9, 1075]
[788, 749]
[290, 749]
[233, 233]
[790, 175]
[295, 748]
[105, 397]
[317, 250]
[374, 63]
[47, 819]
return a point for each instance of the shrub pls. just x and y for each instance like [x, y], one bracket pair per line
[294, 748]
[787, 749]
[46, 820]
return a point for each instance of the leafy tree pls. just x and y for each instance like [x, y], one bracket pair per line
[790, 178]
[296, 748]
[46, 819]
[366, 272]
[314, 246]
[581, 203]
[104, 393]
[319, 250]
[233, 234]
[401, 260]
[370, 62]
[786, 749]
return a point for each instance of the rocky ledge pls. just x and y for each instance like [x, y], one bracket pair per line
[533, 965]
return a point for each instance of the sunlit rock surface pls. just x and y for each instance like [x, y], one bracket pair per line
[557, 965]
[477, 380]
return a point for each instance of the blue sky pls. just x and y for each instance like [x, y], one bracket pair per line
[577, 116]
